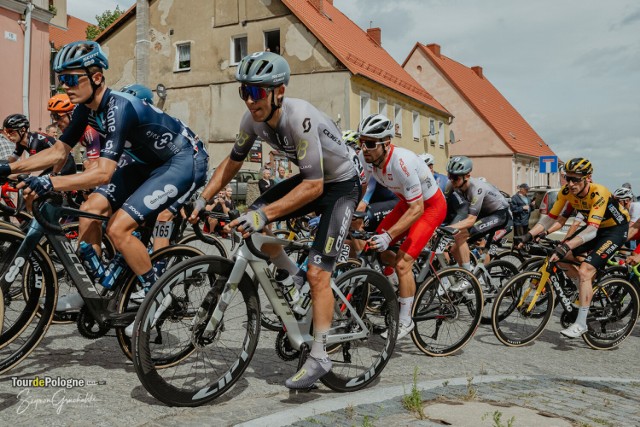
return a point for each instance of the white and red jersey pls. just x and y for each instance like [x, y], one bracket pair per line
[91, 141]
[406, 175]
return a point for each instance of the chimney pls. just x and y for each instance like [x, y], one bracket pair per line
[375, 34]
[317, 4]
[435, 48]
[478, 70]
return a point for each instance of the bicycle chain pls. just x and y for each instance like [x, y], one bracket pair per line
[284, 349]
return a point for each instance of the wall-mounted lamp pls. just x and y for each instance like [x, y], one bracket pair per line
[161, 90]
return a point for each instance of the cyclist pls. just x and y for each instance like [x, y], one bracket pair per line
[441, 179]
[605, 232]
[16, 127]
[488, 211]
[420, 210]
[327, 184]
[166, 153]
[626, 198]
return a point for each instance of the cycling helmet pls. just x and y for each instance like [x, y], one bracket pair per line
[79, 55]
[351, 138]
[16, 121]
[263, 69]
[60, 103]
[579, 166]
[459, 165]
[376, 126]
[139, 91]
[623, 193]
[427, 158]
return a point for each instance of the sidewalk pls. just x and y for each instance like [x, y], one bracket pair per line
[527, 400]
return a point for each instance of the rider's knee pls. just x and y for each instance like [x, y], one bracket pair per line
[165, 215]
[586, 271]
[404, 266]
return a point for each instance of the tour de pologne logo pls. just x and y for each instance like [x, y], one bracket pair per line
[56, 393]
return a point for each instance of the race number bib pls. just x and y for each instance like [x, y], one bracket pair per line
[163, 229]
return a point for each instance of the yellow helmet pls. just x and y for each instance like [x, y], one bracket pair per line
[579, 166]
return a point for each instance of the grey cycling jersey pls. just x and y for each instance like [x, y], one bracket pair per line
[305, 135]
[484, 199]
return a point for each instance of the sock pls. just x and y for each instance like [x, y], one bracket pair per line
[467, 266]
[148, 279]
[299, 278]
[582, 316]
[405, 309]
[319, 346]
[284, 262]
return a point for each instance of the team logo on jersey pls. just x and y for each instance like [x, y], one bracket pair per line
[306, 124]
[165, 140]
[159, 197]
[403, 166]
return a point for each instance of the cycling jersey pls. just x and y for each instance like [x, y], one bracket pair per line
[441, 180]
[599, 207]
[309, 138]
[359, 165]
[484, 199]
[37, 142]
[129, 125]
[91, 142]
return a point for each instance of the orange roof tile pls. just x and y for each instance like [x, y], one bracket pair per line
[76, 30]
[489, 103]
[357, 51]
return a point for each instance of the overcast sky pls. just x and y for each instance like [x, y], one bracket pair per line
[570, 67]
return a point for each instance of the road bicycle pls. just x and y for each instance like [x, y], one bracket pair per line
[202, 321]
[524, 307]
[25, 263]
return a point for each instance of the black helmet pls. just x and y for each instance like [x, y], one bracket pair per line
[16, 121]
[579, 166]
[459, 165]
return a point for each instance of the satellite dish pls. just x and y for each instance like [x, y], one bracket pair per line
[161, 90]
[452, 137]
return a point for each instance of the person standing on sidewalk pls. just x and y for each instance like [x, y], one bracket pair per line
[521, 206]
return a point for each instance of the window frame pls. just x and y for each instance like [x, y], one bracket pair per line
[178, 46]
[397, 113]
[415, 125]
[366, 97]
[264, 39]
[232, 56]
[382, 110]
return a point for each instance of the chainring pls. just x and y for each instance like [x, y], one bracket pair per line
[284, 349]
[89, 327]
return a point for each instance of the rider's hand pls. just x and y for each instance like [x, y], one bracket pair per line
[633, 259]
[250, 222]
[198, 205]
[525, 238]
[5, 169]
[560, 252]
[380, 242]
[40, 185]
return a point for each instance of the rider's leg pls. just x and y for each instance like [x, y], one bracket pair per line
[90, 230]
[120, 230]
[162, 242]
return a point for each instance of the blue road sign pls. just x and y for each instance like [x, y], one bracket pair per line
[548, 164]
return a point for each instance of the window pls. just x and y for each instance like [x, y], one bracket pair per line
[382, 106]
[183, 57]
[441, 134]
[238, 48]
[397, 116]
[272, 41]
[432, 131]
[365, 105]
[416, 126]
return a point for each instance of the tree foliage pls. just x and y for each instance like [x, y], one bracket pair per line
[105, 19]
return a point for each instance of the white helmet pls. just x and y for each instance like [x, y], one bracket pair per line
[623, 193]
[427, 158]
[376, 126]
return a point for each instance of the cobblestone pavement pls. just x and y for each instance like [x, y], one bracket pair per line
[549, 375]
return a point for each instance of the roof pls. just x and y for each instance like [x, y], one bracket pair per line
[357, 51]
[76, 30]
[489, 103]
[122, 19]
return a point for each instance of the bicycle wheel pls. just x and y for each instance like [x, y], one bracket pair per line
[25, 320]
[212, 363]
[211, 245]
[446, 320]
[358, 362]
[169, 256]
[519, 314]
[500, 272]
[513, 257]
[612, 314]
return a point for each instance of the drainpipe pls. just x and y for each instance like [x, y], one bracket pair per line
[142, 42]
[27, 58]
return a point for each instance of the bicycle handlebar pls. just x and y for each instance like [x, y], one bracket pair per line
[52, 201]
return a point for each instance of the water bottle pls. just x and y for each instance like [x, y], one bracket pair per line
[91, 261]
[289, 288]
[304, 301]
[114, 269]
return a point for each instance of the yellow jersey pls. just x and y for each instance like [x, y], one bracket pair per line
[599, 207]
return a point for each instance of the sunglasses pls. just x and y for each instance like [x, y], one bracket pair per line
[454, 177]
[255, 92]
[574, 179]
[57, 116]
[70, 80]
[368, 144]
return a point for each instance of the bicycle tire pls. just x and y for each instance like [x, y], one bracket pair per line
[612, 314]
[517, 326]
[357, 363]
[212, 245]
[226, 355]
[513, 257]
[445, 320]
[173, 255]
[25, 321]
[500, 272]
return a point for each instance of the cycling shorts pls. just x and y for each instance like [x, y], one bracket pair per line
[603, 246]
[418, 235]
[488, 225]
[201, 164]
[336, 206]
[144, 190]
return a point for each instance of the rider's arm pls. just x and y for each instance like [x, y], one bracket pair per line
[466, 223]
[223, 175]
[303, 193]
[371, 187]
[93, 177]
[43, 160]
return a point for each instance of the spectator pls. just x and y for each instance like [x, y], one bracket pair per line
[281, 175]
[229, 197]
[6, 147]
[53, 130]
[521, 207]
[266, 182]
